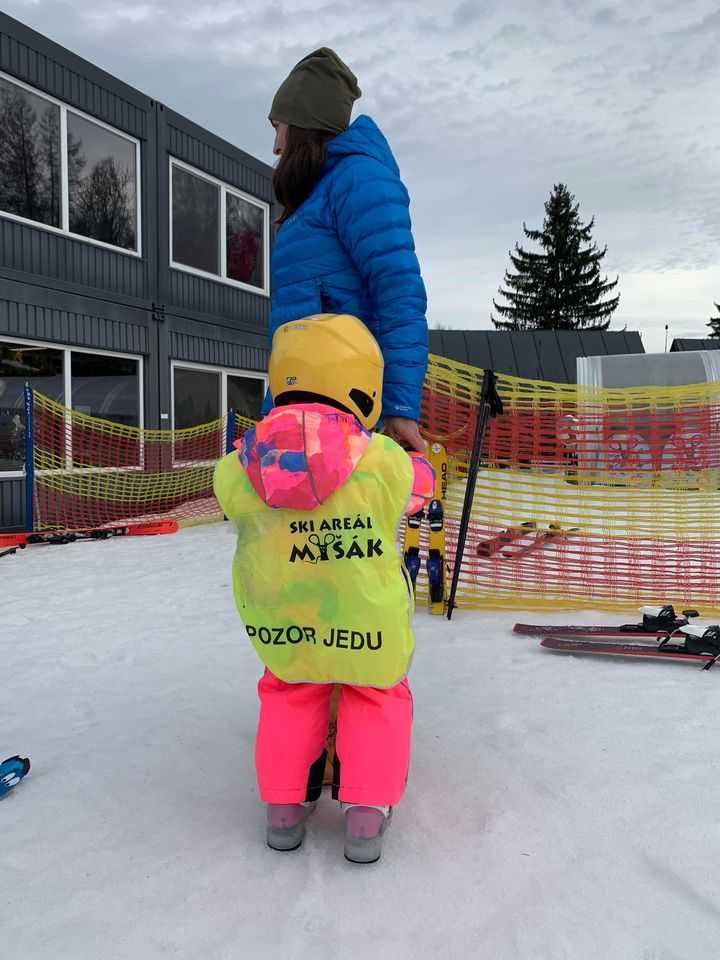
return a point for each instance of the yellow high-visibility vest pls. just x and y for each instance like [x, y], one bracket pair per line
[324, 594]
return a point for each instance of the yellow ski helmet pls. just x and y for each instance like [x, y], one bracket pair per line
[329, 355]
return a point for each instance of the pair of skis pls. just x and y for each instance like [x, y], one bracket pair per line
[16, 541]
[496, 544]
[436, 535]
[662, 635]
[519, 541]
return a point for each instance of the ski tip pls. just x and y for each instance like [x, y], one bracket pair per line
[14, 541]
[152, 528]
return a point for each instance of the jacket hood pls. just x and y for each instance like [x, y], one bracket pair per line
[363, 137]
[298, 456]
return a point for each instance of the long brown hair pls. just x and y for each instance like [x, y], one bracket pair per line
[299, 167]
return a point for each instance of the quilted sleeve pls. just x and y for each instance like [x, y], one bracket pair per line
[371, 209]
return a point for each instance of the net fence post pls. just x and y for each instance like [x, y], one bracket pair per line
[29, 462]
[230, 436]
[230, 431]
[489, 405]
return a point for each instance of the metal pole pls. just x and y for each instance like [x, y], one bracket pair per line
[29, 462]
[230, 435]
[666, 335]
[230, 431]
[489, 405]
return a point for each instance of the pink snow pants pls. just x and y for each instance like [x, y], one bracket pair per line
[374, 730]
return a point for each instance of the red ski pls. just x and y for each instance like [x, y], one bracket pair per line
[656, 623]
[488, 548]
[142, 529]
[663, 651]
[540, 540]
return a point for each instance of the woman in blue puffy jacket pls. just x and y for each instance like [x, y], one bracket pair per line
[345, 243]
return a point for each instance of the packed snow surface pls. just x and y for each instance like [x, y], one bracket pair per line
[558, 808]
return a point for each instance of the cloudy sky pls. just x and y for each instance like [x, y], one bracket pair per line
[486, 105]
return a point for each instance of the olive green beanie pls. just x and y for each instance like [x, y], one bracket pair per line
[318, 93]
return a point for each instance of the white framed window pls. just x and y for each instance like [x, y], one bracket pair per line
[96, 382]
[67, 172]
[201, 393]
[217, 231]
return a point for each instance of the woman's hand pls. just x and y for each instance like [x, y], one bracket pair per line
[405, 432]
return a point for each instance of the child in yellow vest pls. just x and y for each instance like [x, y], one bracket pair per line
[319, 583]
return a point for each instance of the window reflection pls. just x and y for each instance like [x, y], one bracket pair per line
[197, 397]
[106, 387]
[102, 183]
[245, 395]
[245, 251]
[29, 155]
[195, 222]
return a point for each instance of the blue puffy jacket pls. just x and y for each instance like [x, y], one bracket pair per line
[349, 249]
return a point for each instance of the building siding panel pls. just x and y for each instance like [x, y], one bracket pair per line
[556, 362]
[501, 354]
[526, 356]
[538, 355]
[39, 313]
[33, 252]
[216, 345]
[218, 300]
[54, 70]
[476, 348]
[684, 343]
[12, 505]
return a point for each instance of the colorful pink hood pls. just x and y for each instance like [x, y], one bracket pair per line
[297, 456]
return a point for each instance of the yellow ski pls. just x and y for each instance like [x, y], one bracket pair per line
[436, 522]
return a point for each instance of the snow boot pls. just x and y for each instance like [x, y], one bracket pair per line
[286, 824]
[364, 829]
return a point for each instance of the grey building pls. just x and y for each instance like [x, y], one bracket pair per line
[537, 355]
[684, 343]
[134, 254]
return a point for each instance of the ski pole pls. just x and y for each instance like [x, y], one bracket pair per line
[490, 405]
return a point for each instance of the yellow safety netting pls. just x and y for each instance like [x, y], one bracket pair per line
[584, 498]
[89, 471]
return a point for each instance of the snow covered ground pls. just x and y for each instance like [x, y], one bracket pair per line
[559, 808]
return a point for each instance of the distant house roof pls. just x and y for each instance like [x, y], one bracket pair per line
[685, 344]
[537, 355]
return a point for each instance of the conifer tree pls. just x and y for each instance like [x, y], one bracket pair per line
[559, 288]
[714, 323]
